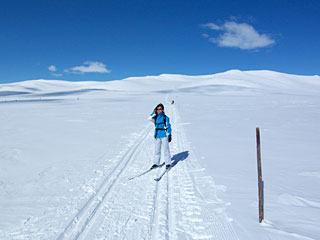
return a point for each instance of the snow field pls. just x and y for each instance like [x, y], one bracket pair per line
[144, 209]
[71, 156]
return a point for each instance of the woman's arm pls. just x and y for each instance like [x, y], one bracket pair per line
[151, 117]
[168, 125]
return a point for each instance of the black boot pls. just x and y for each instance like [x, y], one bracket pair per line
[154, 166]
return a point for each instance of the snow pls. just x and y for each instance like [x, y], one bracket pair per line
[69, 151]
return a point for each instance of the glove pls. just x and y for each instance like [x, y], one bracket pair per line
[150, 118]
[169, 138]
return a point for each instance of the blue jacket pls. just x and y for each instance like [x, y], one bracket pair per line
[160, 131]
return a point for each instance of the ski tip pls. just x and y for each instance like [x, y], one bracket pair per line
[157, 179]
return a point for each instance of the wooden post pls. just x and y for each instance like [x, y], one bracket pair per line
[260, 182]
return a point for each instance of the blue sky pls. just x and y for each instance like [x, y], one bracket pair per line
[109, 40]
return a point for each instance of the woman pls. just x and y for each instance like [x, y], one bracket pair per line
[162, 135]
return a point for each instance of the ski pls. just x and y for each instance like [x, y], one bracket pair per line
[143, 173]
[139, 175]
[162, 174]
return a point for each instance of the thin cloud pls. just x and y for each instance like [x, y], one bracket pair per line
[57, 74]
[212, 26]
[239, 35]
[89, 67]
[52, 68]
[205, 35]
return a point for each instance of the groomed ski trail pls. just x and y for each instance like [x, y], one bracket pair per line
[182, 205]
[83, 220]
[199, 213]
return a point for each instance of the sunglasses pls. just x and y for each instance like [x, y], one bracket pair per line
[159, 108]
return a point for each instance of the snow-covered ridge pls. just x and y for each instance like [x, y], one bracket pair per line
[262, 80]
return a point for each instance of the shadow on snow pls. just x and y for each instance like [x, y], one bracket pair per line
[179, 157]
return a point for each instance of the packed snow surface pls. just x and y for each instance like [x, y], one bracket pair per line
[75, 158]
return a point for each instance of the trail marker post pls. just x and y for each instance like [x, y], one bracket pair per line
[260, 182]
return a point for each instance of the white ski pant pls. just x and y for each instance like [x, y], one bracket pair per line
[166, 150]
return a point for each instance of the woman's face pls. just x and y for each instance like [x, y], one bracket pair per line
[159, 109]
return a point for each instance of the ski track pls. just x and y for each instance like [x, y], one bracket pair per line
[182, 205]
[86, 215]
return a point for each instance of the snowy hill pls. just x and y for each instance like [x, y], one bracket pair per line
[74, 155]
[233, 80]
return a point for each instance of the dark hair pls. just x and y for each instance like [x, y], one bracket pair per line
[159, 105]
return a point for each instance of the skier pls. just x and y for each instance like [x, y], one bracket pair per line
[162, 135]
